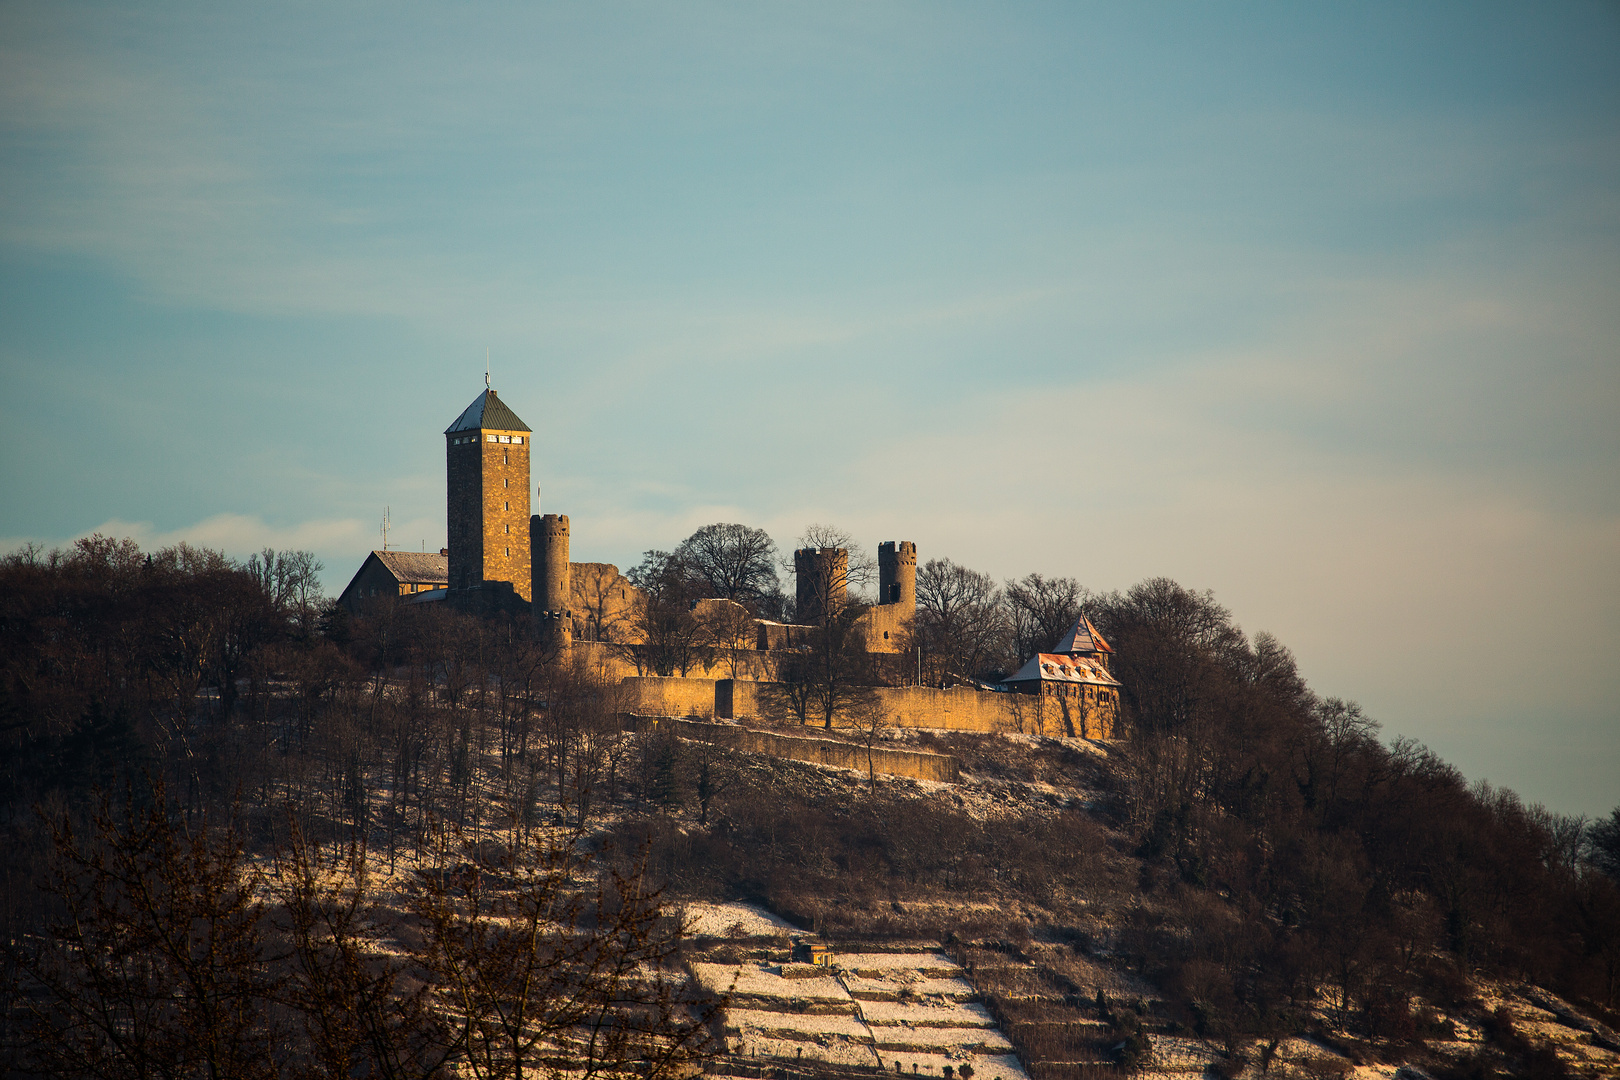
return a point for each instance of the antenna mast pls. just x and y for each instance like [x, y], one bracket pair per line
[385, 528]
[486, 367]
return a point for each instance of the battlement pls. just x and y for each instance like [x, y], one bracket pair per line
[897, 575]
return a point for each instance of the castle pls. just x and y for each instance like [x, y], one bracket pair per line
[502, 558]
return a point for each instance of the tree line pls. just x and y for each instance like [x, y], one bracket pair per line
[1298, 853]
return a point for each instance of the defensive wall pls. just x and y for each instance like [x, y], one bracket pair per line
[653, 695]
[959, 708]
[916, 764]
[613, 660]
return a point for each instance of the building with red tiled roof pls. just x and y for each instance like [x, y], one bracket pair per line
[1075, 677]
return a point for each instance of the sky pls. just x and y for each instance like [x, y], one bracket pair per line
[1314, 306]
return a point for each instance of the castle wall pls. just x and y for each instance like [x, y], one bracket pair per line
[960, 708]
[887, 628]
[656, 695]
[604, 603]
[917, 764]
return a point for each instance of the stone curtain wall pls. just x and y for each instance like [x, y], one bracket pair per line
[960, 708]
[915, 764]
[652, 695]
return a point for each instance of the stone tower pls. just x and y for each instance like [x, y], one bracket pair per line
[552, 587]
[822, 581]
[487, 490]
[897, 574]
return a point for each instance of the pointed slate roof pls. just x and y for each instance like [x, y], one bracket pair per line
[1082, 638]
[489, 413]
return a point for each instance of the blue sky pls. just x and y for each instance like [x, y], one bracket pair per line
[1314, 306]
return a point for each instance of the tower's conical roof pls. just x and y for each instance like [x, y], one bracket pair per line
[1082, 638]
[490, 413]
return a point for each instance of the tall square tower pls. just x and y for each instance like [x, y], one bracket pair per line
[487, 492]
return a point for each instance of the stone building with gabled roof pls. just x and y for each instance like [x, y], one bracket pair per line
[1075, 673]
[398, 574]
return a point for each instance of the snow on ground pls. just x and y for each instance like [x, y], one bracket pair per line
[784, 1025]
[898, 985]
[876, 965]
[1173, 1053]
[985, 1066]
[940, 1039]
[734, 920]
[952, 1014]
[834, 1051]
[755, 980]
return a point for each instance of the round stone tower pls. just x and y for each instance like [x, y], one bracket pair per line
[551, 583]
[822, 576]
[897, 574]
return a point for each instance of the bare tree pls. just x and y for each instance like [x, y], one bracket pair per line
[732, 562]
[962, 621]
[365, 1011]
[728, 629]
[536, 976]
[870, 726]
[670, 633]
[714, 769]
[1041, 610]
[854, 574]
[159, 967]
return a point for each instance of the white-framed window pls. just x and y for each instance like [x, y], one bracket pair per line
[491, 438]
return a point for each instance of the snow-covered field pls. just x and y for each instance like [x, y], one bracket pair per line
[754, 980]
[734, 920]
[910, 1013]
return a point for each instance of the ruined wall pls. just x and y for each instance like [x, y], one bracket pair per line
[916, 764]
[887, 628]
[604, 603]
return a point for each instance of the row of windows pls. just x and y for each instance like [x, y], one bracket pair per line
[487, 438]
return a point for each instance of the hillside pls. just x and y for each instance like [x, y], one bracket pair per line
[1251, 882]
[1057, 922]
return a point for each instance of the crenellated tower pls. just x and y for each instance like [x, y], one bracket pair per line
[552, 586]
[821, 577]
[897, 574]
